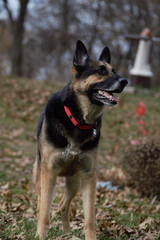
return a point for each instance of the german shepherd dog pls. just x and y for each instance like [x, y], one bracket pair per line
[68, 134]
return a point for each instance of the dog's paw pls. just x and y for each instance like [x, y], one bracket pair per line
[75, 238]
[41, 235]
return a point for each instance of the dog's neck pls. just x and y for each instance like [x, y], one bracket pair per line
[90, 112]
[83, 110]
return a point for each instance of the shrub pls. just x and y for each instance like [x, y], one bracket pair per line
[142, 164]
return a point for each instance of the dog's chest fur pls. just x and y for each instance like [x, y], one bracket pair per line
[76, 153]
[69, 160]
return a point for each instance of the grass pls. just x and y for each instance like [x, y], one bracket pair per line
[119, 215]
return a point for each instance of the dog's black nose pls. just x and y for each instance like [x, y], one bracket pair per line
[123, 81]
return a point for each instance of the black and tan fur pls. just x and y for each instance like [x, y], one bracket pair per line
[65, 150]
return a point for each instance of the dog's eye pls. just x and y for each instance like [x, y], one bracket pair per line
[113, 71]
[102, 70]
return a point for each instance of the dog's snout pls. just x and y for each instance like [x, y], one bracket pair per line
[123, 81]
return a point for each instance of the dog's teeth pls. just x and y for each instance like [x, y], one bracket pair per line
[100, 92]
[111, 98]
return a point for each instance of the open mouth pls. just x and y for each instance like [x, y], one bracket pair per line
[105, 97]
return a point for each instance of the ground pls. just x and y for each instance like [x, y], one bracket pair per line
[123, 214]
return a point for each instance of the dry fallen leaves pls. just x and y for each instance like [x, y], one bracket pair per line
[146, 223]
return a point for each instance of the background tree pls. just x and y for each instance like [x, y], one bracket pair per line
[17, 32]
[52, 28]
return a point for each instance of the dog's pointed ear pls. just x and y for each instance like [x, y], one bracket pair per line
[81, 54]
[105, 55]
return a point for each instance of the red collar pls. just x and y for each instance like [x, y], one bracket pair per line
[75, 122]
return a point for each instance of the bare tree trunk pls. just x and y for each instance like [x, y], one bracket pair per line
[17, 28]
[62, 35]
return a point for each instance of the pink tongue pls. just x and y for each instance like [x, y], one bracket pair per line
[107, 95]
[116, 98]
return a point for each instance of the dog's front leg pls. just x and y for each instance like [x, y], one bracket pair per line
[88, 193]
[47, 184]
[72, 186]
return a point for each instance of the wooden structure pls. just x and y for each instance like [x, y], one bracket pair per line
[141, 73]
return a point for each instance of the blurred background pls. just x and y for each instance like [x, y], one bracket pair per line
[37, 38]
